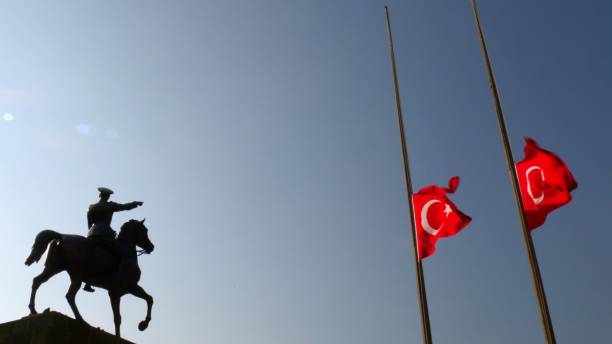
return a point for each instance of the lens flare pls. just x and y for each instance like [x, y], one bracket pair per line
[84, 129]
[8, 117]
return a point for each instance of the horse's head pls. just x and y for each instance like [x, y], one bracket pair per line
[136, 232]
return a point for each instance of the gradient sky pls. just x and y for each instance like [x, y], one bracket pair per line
[261, 137]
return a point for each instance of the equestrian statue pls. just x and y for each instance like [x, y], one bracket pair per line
[102, 259]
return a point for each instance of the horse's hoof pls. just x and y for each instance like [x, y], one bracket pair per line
[33, 310]
[143, 325]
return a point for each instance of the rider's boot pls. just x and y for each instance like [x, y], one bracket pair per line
[88, 288]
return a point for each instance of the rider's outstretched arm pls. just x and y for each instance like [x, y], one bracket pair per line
[126, 206]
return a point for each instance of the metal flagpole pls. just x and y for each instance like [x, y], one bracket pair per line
[417, 262]
[533, 260]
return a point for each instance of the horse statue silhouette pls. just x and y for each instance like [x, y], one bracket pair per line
[86, 261]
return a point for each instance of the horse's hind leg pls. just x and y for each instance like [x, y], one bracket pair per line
[75, 284]
[115, 299]
[36, 282]
[141, 293]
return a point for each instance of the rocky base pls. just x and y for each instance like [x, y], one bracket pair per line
[54, 328]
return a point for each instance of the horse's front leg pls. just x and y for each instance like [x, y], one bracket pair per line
[115, 300]
[36, 282]
[141, 293]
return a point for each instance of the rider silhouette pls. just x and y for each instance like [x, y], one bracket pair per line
[99, 217]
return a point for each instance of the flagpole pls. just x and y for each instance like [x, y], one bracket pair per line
[533, 260]
[417, 263]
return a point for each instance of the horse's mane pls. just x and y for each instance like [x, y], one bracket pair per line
[126, 227]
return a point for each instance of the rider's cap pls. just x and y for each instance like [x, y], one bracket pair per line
[104, 190]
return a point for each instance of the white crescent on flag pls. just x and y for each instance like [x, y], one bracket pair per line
[426, 226]
[536, 200]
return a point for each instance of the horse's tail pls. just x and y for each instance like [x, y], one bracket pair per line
[40, 245]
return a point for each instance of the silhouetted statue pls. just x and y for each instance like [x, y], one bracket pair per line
[114, 268]
[99, 218]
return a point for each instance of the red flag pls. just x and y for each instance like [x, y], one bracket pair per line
[545, 183]
[436, 216]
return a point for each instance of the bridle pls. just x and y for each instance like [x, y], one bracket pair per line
[140, 252]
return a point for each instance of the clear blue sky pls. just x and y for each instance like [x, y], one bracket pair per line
[261, 136]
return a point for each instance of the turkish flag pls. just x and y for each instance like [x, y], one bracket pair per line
[545, 182]
[436, 216]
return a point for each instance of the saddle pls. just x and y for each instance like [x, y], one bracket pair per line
[107, 243]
